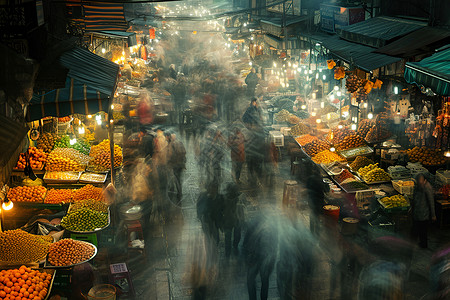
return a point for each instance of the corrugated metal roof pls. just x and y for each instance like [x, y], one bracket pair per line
[379, 31]
[289, 20]
[359, 55]
[422, 41]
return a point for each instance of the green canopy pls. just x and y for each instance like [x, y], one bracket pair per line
[432, 72]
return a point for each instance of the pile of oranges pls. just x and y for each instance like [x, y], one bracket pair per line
[64, 119]
[24, 283]
[58, 196]
[37, 159]
[102, 156]
[27, 194]
[88, 192]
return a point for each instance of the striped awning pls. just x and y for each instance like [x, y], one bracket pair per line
[101, 16]
[76, 97]
[91, 81]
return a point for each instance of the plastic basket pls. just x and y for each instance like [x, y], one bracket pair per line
[404, 190]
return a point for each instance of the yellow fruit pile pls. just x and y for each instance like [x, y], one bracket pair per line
[364, 170]
[376, 175]
[326, 157]
[427, 157]
[61, 175]
[57, 161]
[20, 246]
[27, 194]
[73, 154]
[101, 154]
[395, 201]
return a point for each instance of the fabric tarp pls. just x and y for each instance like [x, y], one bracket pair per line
[90, 82]
[432, 72]
[76, 97]
[361, 56]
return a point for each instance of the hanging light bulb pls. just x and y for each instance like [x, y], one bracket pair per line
[447, 153]
[81, 130]
[370, 116]
[103, 50]
[275, 64]
[303, 107]
[396, 90]
[310, 71]
[338, 93]
[7, 205]
[336, 88]
[317, 76]
[324, 77]
[318, 121]
[353, 126]
[89, 116]
[340, 126]
[332, 149]
[73, 141]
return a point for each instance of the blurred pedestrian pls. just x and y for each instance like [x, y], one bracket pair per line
[382, 280]
[209, 213]
[253, 116]
[172, 72]
[202, 265]
[251, 81]
[422, 206]
[260, 250]
[316, 189]
[233, 218]
[145, 143]
[254, 155]
[236, 142]
[177, 162]
[216, 155]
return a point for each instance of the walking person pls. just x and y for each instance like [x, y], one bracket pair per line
[251, 81]
[177, 162]
[255, 155]
[253, 116]
[316, 190]
[260, 249]
[233, 218]
[422, 206]
[236, 142]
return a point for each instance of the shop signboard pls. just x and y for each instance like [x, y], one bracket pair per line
[334, 17]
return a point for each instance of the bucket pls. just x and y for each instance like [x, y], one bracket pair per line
[349, 226]
[102, 292]
[332, 211]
